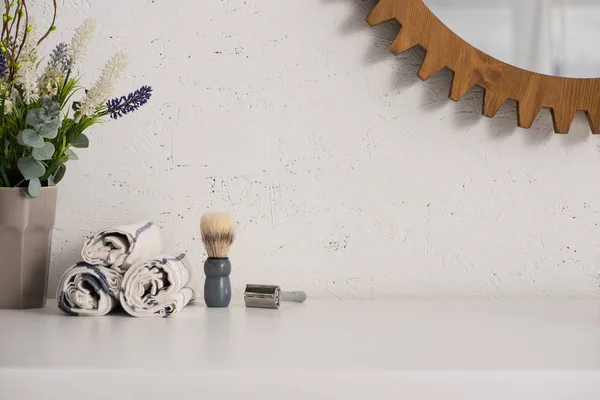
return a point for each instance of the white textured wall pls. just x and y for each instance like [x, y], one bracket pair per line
[349, 177]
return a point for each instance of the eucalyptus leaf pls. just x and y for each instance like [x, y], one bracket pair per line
[47, 102]
[52, 107]
[50, 129]
[34, 187]
[60, 173]
[81, 142]
[71, 154]
[54, 110]
[37, 117]
[30, 168]
[53, 124]
[29, 137]
[44, 153]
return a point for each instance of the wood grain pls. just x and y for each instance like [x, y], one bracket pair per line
[501, 81]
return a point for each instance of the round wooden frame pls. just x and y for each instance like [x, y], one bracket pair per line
[500, 81]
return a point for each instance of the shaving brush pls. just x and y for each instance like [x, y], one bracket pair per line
[218, 233]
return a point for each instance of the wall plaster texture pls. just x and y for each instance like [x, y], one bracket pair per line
[350, 178]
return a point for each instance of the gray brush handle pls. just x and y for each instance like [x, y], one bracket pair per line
[217, 286]
[297, 296]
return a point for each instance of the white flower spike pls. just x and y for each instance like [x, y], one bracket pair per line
[28, 80]
[78, 47]
[103, 88]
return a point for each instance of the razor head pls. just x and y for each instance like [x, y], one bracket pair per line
[262, 296]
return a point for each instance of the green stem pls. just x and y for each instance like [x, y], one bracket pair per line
[3, 174]
[67, 77]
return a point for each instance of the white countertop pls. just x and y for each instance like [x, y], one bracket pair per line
[320, 349]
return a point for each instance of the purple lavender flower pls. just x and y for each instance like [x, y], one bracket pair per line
[123, 105]
[3, 65]
[60, 58]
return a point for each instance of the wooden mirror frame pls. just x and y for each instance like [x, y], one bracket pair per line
[500, 81]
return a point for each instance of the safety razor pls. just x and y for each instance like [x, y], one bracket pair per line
[270, 296]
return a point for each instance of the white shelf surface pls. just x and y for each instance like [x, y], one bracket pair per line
[453, 349]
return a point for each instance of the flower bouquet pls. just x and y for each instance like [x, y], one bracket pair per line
[42, 118]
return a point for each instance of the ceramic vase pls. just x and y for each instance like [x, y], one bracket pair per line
[26, 225]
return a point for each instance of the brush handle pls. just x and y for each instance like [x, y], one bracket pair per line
[217, 286]
[296, 296]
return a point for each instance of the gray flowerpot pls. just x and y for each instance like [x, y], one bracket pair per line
[25, 244]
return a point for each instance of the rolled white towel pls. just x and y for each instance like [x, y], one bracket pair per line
[157, 287]
[119, 248]
[86, 289]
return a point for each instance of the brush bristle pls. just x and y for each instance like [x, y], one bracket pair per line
[218, 233]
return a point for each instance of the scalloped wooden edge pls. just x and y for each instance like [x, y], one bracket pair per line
[500, 81]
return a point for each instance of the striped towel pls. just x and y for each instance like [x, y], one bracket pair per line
[86, 289]
[157, 287]
[119, 248]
